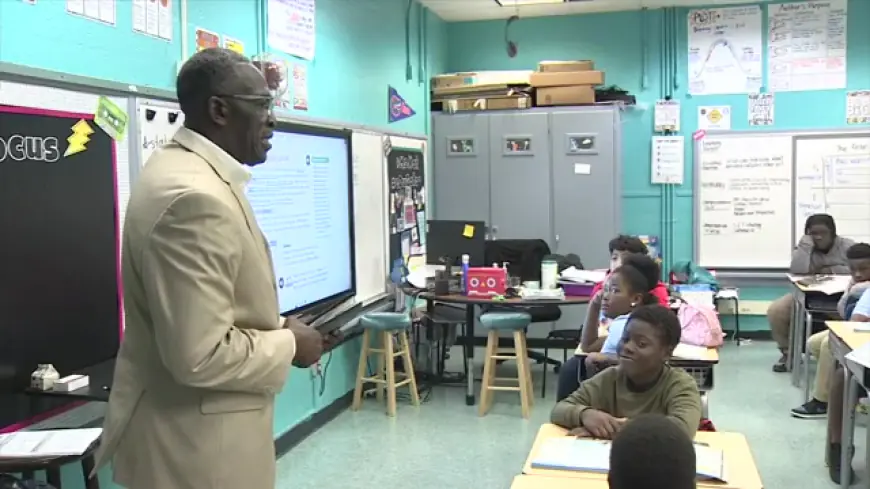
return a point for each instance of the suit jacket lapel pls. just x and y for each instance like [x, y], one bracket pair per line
[211, 156]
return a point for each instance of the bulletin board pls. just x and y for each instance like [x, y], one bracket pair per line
[406, 200]
[65, 184]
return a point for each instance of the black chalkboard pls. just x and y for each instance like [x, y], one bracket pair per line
[59, 290]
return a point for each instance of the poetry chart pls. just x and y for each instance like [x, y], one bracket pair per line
[725, 50]
[742, 185]
[157, 125]
[833, 177]
[806, 45]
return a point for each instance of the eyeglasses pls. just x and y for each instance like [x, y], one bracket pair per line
[263, 102]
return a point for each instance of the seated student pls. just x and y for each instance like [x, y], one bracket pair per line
[625, 245]
[861, 314]
[859, 266]
[642, 383]
[628, 287]
[652, 452]
[819, 251]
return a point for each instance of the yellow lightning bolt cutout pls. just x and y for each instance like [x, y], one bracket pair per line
[81, 134]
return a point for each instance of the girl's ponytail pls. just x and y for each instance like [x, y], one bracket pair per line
[648, 299]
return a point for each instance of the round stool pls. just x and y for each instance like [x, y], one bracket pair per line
[381, 326]
[515, 322]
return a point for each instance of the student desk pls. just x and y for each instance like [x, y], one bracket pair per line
[470, 303]
[701, 369]
[843, 340]
[544, 482]
[742, 472]
[807, 303]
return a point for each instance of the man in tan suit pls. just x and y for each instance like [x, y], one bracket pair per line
[204, 350]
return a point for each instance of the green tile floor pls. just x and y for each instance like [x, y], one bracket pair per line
[444, 444]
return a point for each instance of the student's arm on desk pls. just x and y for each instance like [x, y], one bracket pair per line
[591, 395]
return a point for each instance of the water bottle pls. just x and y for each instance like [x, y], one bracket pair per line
[465, 260]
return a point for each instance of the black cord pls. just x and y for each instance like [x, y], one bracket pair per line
[322, 373]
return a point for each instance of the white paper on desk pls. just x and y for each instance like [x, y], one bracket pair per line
[572, 274]
[52, 443]
[690, 352]
[835, 284]
[860, 355]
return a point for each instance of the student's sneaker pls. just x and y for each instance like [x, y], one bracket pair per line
[810, 410]
[780, 366]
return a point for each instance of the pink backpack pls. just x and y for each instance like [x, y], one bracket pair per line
[701, 326]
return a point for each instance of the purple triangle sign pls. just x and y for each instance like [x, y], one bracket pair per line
[399, 109]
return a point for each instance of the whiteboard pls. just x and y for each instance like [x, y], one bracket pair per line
[832, 176]
[157, 122]
[743, 197]
[370, 222]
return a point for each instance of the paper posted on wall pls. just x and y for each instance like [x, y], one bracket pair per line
[725, 50]
[760, 109]
[858, 107]
[667, 116]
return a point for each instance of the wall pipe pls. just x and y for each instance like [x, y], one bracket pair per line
[184, 41]
[409, 70]
[421, 31]
[644, 49]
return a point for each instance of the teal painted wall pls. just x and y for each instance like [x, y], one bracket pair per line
[360, 51]
[615, 41]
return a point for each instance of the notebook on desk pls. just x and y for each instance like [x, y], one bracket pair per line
[587, 455]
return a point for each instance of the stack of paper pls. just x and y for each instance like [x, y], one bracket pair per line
[587, 455]
[685, 351]
[46, 444]
[572, 274]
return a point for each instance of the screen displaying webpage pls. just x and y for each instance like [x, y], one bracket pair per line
[301, 200]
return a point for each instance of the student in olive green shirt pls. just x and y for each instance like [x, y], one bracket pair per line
[642, 383]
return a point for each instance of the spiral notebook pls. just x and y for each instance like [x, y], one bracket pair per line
[587, 455]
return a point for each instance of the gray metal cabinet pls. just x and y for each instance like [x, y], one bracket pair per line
[520, 176]
[461, 171]
[586, 182]
[546, 173]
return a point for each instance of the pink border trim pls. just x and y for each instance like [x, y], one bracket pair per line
[14, 109]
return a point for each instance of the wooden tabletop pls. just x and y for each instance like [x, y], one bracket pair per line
[845, 330]
[545, 482]
[795, 280]
[464, 299]
[742, 471]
